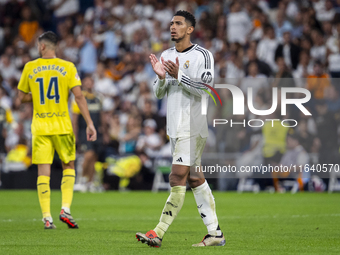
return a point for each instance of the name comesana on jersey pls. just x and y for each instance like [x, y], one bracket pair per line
[48, 68]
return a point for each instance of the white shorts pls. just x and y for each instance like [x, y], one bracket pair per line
[187, 151]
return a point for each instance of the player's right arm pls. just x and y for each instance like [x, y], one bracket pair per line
[160, 84]
[24, 89]
[25, 97]
[81, 102]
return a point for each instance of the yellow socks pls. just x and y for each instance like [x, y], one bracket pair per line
[44, 194]
[172, 207]
[67, 183]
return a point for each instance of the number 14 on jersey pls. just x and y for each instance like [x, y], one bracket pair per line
[53, 85]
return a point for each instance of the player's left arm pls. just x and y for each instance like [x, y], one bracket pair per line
[91, 132]
[74, 119]
[74, 85]
[194, 85]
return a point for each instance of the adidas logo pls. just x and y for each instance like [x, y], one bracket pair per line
[203, 215]
[168, 213]
[179, 160]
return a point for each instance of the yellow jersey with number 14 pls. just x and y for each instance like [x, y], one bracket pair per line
[49, 81]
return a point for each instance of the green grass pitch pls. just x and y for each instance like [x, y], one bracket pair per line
[305, 223]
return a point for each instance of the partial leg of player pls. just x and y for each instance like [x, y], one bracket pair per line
[48, 223]
[44, 194]
[67, 184]
[206, 207]
[172, 206]
[150, 238]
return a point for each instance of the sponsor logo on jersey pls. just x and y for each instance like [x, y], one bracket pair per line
[186, 65]
[50, 114]
[206, 77]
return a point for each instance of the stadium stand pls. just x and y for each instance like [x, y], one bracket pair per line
[111, 40]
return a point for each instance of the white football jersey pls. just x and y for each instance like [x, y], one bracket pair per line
[184, 113]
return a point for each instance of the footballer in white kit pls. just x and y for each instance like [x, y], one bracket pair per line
[186, 126]
[183, 73]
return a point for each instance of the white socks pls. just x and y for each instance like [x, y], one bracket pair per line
[206, 207]
[172, 207]
[49, 218]
[66, 209]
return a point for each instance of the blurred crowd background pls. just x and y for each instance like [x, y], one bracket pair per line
[257, 43]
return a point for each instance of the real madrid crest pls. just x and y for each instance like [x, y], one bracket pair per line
[186, 65]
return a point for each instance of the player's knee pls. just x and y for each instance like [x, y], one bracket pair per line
[195, 181]
[69, 165]
[177, 179]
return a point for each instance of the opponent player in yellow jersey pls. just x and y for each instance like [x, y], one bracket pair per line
[47, 81]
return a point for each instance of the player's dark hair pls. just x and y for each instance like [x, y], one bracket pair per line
[50, 37]
[188, 16]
